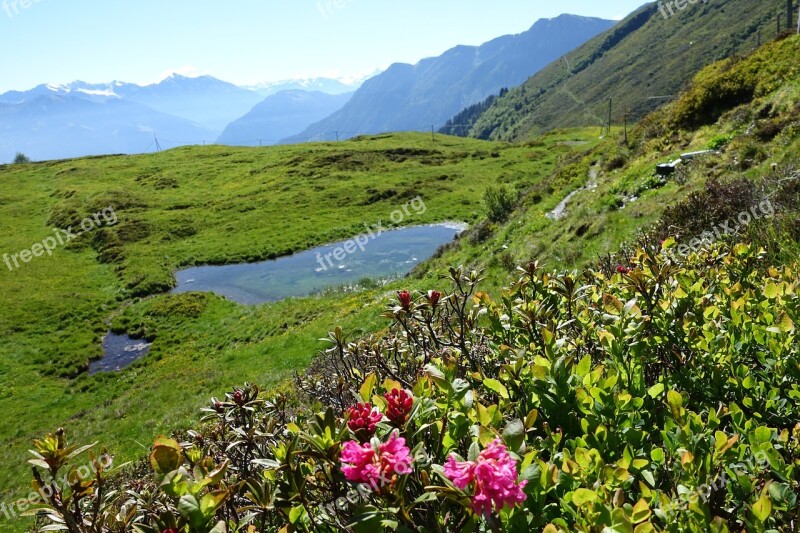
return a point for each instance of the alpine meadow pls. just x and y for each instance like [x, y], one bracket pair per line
[547, 283]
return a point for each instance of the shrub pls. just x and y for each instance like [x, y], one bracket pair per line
[719, 141]
[661, 396]
[21, 158]
[615, 162]
[481, 232]
[702, 211]
[499, 202]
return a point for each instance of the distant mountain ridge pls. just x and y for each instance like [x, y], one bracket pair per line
[324, 85]
[637, 65]
[55, 121]
[59, 126]
[281, 115]
[204, 100]
[408, 97]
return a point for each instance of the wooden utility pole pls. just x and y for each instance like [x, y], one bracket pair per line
[609, 116]
[626, 125]
[433, 134]
[789, 13]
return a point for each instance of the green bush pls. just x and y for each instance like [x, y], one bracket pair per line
[719, 141]
[660, 397]
[499, 202]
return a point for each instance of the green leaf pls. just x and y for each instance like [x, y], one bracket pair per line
[189, 508]
[426, 497]
[297, 512]
[763, 434]
[366, 388]
[175, 483]
[771, 290]
[583, 496]
[474, 450]
[656, 390]
[460, 388]
[487, 415]
[657, 455]
[434, 372]
[641, 511]
[495, 386]
[219, 528]
[675, 402]
[784, 322]
[584, 367]
[530, 420]
[762, 508]
[166, 455]
[514, 435]
[210, 502]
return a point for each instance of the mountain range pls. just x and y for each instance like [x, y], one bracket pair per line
[323, 85]
[58, 126]
[413, 97]
[637, 66]
[56, 121]
[278, 115]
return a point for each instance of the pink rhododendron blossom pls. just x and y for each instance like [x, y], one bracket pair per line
[363, 417]
[399, 403]
[364, 464]
[494, 475]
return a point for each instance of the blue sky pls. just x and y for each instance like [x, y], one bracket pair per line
[250, 41]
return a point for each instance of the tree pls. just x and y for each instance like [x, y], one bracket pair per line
[21, 158]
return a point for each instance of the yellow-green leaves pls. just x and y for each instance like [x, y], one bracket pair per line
[166, 456]
[675, 402]
[641, 512]
[583, 496]
[762, 508]
[495, 386]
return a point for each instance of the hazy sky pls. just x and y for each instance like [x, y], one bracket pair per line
[250, 41]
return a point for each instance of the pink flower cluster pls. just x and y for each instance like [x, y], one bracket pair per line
[494, 475]
[365, 464]
[363, 417]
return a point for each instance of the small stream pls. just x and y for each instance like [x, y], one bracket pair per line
[561, 209]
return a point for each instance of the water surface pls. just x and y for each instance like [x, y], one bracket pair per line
[119, 351]
[390, 254]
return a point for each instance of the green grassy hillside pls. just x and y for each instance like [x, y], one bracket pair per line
[210, 205]
[655, 390]
[195, 206]
[617, 192]
[645, 56]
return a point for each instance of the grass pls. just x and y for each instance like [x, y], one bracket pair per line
[203, 205]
